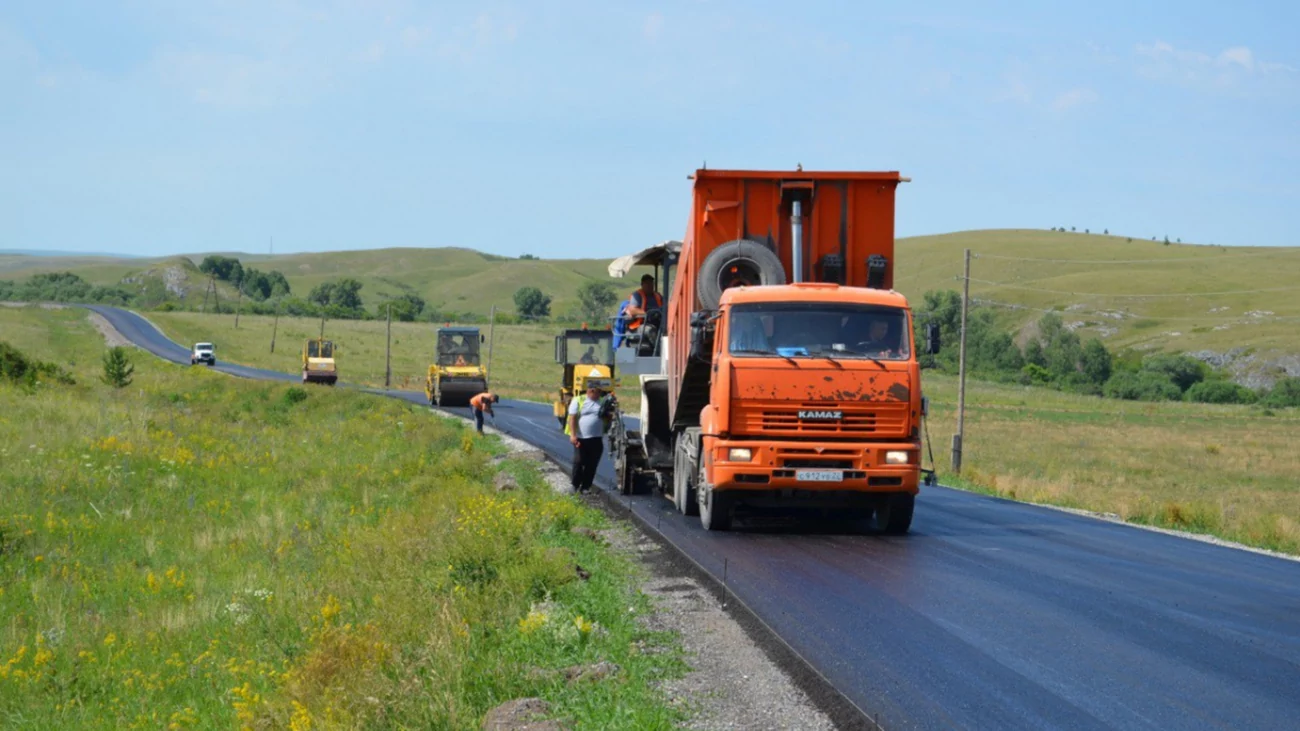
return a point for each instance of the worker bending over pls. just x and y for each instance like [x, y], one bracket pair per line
[588, 419]
[479, 404]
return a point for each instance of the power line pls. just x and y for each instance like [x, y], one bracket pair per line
[1012, 285]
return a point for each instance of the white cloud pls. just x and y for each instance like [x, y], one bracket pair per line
[1240, 56]
[653, 26]
[1074, 98]
[414, 36]
[1014, 89]
[487, 31]
[1236, 69]
[374, 53]
[223, 80]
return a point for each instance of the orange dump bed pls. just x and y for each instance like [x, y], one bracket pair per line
[847, 218]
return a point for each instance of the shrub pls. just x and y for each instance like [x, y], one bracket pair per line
[1285, 392]
[1220, 392]
[1183, 370]
[1144, 386]
[19, 368]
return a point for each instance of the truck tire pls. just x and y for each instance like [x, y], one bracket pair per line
[683, 489]
[715, 509]
[894, 518]
[742, 260]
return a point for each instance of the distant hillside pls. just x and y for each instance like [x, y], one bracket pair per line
[1095, 279]
[449, 278]
[1133, 293]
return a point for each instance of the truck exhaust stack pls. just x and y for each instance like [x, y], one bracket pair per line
[796, 241]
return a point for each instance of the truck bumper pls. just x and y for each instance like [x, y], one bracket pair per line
[804, 472]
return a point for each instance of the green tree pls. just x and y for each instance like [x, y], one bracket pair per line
[1096, 362]
[531, 303]
[1034, 354]
[597, 299]
[117, 367]
[321, 294]
[406, 307]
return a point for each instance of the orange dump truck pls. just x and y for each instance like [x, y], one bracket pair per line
[784, 372]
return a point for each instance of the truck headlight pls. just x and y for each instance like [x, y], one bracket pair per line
[897, 457]
[739, 454]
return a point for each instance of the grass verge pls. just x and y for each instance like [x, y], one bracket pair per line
[197, 550]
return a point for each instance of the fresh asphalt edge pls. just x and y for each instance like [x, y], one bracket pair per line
[821, 693]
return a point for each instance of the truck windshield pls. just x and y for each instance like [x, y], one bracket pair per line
[318, 349]
[589, 348]
[819, 330]
[458, 349]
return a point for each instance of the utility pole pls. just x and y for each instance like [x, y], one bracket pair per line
[492, 329]
[322, 325]
[216, 297]
[388, 351]
[961, 372]
[239, 302]
[206, 290]
[275, 325]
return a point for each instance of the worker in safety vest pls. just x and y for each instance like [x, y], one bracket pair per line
[588, 421]
[642, 301]
[479, 404]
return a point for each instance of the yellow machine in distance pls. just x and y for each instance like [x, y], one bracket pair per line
[318, 362]
[587, 357]
[457, 374]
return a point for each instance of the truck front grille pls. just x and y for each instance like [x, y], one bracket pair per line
[881, 419]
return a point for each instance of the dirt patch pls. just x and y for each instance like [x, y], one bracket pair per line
[112, 337]
[42, 305]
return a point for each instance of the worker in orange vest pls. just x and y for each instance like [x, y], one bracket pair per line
[642, 301]
[479, 404]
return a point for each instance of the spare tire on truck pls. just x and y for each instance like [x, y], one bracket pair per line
[735, 263]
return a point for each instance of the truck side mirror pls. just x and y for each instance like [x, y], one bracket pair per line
[932, 339]
[482, 339]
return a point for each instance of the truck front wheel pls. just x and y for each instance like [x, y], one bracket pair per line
[894, 518]
[715, 508]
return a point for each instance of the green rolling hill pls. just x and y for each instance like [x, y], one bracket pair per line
[1134, 293]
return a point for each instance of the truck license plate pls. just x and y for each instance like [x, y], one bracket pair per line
[819, 475]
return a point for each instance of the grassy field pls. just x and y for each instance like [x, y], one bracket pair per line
[197, 550]
[1095, 274]
[1224, 470]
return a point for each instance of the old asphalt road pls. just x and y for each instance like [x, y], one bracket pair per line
[991, 613]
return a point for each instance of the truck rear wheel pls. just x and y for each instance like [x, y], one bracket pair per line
[894, 518]
[624, 475]
[683, 470]
[739, 262]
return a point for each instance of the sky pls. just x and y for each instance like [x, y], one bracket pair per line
[568, 129]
